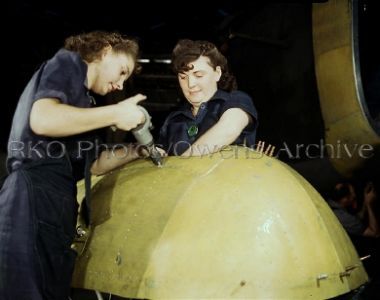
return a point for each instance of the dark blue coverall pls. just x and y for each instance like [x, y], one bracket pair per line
[181, 129]
[38, 205]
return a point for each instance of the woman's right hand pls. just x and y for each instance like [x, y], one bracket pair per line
[128, 115]
[370, 194]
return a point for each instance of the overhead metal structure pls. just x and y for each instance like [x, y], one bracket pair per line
[350, 131]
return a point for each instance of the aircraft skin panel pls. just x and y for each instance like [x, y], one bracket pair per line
[235, 224]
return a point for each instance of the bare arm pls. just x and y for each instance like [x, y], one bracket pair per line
[49, 117]
[370, 197]
[112, 159]
[373, 227]
[223, 133]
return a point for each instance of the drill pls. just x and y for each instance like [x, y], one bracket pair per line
[145, 138]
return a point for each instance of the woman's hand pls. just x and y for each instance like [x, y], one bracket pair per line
[128, 114]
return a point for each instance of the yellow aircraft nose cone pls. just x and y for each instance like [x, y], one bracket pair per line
[235, 224]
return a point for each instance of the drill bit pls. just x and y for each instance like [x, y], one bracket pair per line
[155, 155]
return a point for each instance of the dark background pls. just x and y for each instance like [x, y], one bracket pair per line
[273, 61]
[268, 45]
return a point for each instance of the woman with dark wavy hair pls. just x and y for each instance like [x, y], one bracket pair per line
[216, 114]
[49, 150]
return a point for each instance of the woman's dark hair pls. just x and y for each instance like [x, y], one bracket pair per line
[90, 45]
[187, 51]
[340, 190]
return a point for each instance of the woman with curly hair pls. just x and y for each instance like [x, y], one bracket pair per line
[50, 147]
[215, 114]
